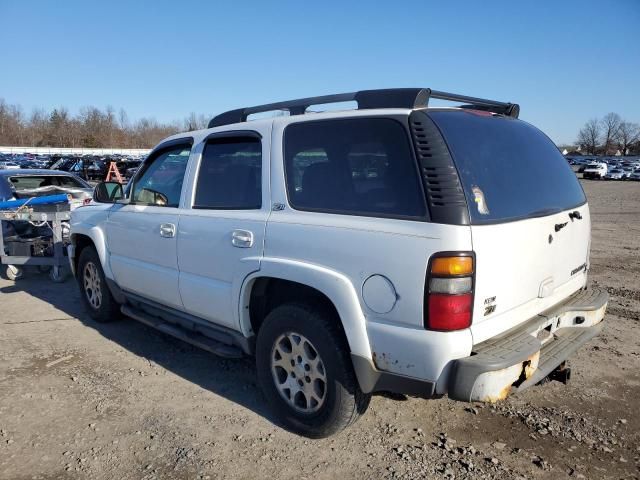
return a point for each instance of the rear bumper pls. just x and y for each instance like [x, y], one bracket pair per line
[525, 355]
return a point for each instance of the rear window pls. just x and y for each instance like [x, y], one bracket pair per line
[509, 169]
[357, 166]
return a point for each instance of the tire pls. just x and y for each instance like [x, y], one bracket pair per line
[14, 273]
[324, 396]
[58, 274]
[94, 292]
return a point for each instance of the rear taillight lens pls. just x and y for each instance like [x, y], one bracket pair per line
[449, 292]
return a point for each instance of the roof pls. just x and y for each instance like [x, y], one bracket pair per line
[33, 171]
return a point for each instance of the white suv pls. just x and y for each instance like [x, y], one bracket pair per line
[394, 247]
[595, 170]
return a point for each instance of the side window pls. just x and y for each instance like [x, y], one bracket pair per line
[361, 166]
[160, 183]
[230, 175]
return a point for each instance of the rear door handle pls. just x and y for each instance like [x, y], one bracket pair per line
[242, 238]
[167, 230]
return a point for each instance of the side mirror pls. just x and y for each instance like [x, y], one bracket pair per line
[108, 192]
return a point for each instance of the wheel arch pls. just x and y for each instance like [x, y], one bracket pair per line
[320, 283]
[92, 236]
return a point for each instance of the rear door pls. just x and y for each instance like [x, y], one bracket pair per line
[221, 234]
[530, 221]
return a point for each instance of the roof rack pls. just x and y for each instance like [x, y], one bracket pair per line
[367, 99]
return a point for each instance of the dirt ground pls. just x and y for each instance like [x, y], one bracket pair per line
[120, 401]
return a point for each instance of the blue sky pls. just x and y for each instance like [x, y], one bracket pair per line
[563, 61]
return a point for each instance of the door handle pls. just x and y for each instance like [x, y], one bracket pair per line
[167, 230]
[242, 238]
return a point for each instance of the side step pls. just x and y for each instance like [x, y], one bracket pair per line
[194, 338]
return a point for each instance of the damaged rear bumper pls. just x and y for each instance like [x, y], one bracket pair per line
[527, 354]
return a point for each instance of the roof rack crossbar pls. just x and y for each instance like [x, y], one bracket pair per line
[368, 99]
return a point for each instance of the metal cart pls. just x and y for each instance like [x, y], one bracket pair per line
[55, 261]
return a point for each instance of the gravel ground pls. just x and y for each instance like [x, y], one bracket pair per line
[120, 401]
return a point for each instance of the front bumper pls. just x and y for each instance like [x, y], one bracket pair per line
[528, 353]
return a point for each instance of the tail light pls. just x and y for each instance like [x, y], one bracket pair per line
[448, 302]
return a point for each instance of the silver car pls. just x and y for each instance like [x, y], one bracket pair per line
[615, 174]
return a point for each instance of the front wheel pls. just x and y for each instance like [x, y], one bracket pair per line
[94, 291]
[305, 371]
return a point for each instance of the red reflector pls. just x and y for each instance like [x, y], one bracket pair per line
[449, 312]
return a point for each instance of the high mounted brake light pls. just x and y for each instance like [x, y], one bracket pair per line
[448, 301]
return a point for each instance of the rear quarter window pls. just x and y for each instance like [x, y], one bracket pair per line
[509, 169]
[356, 166]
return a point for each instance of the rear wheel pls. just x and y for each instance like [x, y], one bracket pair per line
[94, 291]
[305, 371]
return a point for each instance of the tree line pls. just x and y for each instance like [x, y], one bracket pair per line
[609, 135]
[91, 127]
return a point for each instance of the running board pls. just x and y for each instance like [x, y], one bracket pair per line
[194, 338]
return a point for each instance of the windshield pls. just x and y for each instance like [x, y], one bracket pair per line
[509, 169]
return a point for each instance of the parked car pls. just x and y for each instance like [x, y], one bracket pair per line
[9, 166]
[595, 170]
[615, 174]
[635, 175]
[582, 164]
[18, 184]
[377, 249]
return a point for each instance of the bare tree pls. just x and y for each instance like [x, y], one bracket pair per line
[195, 122]
[610, 130]
[123, 119]
[38, 127]
[91, 127]
[590, 135]
[628, 135]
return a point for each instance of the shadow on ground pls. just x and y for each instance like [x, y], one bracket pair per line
[232, 379]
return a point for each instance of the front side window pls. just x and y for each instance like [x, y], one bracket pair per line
[357, 166]
[160, 183]
[230, 175]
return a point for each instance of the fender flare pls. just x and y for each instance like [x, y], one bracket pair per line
[334, 285]
[96, 235]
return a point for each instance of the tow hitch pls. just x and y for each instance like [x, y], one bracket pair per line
[561, 374]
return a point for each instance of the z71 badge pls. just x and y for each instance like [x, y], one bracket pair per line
[489, 305]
